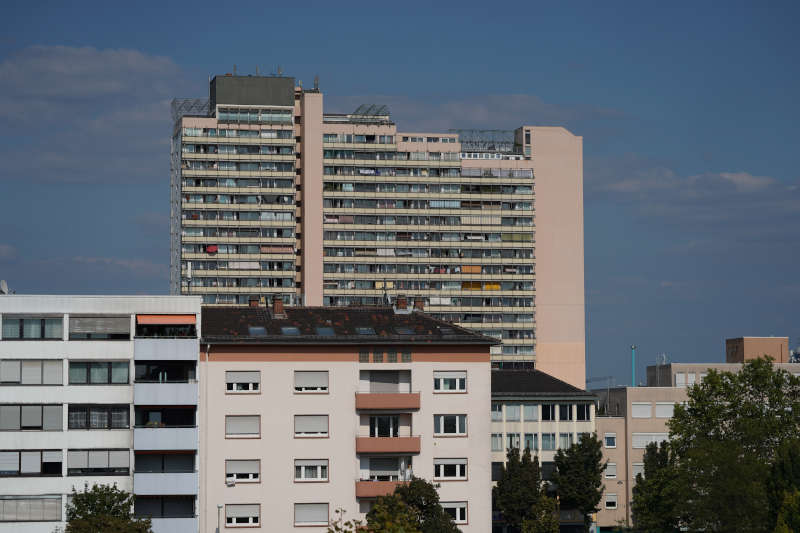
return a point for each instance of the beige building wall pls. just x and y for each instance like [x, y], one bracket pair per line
[560, 314]
[743, 349]
[311, 211]
[276, 447]
[613, 427]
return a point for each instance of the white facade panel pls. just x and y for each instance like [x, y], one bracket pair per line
[165, 438]
[166, 349]
[165, 393]
[157, 483]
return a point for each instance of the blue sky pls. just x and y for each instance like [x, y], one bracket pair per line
[689, 114]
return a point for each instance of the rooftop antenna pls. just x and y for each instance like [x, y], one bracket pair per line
[633, 365]
[234, 69]
[316, 82]
[3, 287]
[280, 71]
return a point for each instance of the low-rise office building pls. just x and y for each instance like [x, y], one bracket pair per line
[306, 410]
[98, 389]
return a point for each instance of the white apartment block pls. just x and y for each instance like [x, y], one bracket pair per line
[98, 389]
[308, 410]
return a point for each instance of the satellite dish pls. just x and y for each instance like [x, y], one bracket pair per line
[3, 287]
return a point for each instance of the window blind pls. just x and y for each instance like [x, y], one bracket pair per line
[31, 416]
[119, 459]
[9, 461]
[30, 462]
[77, 459]
[52, 372]
[31, 372]
[311, 513]
[52, 417]
[9, 417]
[380, 466]
[98, 458]
[311, 424]
[311, 379]
[51, 456]
[664, 410]
[242, 377]
[10, 371]
[443, 374]
[241, 510]
[242, 425]
[242, 466]
[100, 324]
[384, 381]
[449, 461]
[611, 470]
[641, 410]
[310, 462]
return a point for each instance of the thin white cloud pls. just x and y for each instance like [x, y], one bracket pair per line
[136, 267]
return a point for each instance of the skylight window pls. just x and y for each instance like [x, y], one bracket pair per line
[257, 331]
[404, 331]
[290, 330]
[365, 331]
[325, 331]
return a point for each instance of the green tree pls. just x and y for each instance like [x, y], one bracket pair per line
[788, 519]
[423, 497]
[724, 441]
[578, 477]
[784, 476]
[518, 489]
[391, 514]
[543, 516]
[103, 509]
[340, 525]
[653, 505]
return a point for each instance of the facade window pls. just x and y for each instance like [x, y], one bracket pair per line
[611, 501]
[530, 441]
[30, 463]
[242, 515]
[691, 377]
[165, 371]
[164, 462]
[548, 412]
[611, 470]
[243, 381]
[641, 410]
[377, 356]
[363, 356]
[391, 355]
[311, 470]
[512, 413]
[456, 510]
[665, 410]
[99, 416]
[164, 506]
[384, 426]
[584, 412]
[243, 426]
[497, 442]
[637, 469]
[497, 412]
[311, 514]
[497, 471]
[450, 425]
[30, 417]
[564, 440]
[446, 469]
[405, 356]
[530, 411]
[641, 440]
[30, 509]
[512, 441]
[311, 381]
[31, 372]
[98, 462]
[107, 328]
[449, 381]
[310, 426]
[565, 411]
[242, 470]
[680, 379]
[610, 440]
[548, 441]
[33, 328]
[99, 373]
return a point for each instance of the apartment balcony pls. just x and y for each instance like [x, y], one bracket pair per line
[165, 438]
[373, 489]
[161, 483]
[153, 349]
[168, 393]
[175, 525]
[403, 401]
[387, 444]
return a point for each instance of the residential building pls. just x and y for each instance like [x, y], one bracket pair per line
[98, 389]
[743, 349]
[306, 410]
[272, 195]
[535, 411]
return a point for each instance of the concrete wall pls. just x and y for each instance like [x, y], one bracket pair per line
[746, 348]
[311, 225]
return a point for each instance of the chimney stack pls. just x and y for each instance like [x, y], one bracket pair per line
[419, 304]
[402, 303]
[277, 307]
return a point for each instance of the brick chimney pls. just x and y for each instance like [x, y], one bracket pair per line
[419, 304]
[401, 302]
[277, 307]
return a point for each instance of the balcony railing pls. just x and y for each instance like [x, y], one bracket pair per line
[388, 444]
[387, 400]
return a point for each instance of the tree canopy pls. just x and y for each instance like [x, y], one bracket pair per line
[653, 507]
[521, 496]
[578, 477]
[103, 509]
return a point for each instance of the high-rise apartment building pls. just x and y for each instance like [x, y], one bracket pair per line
[98, 389]
[307, 410]
[272, 196]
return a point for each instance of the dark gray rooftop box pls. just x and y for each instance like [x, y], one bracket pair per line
[251, 90]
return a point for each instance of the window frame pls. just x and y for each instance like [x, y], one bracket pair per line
[610, 498]
[452, 505]
[109, 408]
[243, 435]
[318, 467]
[110, 366]
[460, 432]
[107, 471]
[250, 523]
[42, 324]
[40, 473]
[606, 473]
[316, 435]
[310, 524]
[463, 465]
[250, 479]
[438, 381]
[312, 390]
[606, 436]
[230, 386]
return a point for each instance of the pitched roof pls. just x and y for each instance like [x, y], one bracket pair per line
[521, 383]
[330, 325]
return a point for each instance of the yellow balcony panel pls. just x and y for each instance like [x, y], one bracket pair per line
[239, 140]
[238, 190]
[238, 257]
[237, 157]
[242, 223]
